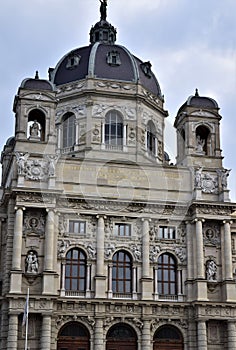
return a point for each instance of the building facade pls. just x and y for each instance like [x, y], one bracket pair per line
[120, 249]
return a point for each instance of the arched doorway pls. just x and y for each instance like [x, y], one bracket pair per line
[168, 338]
[73, 336]
[121, 337]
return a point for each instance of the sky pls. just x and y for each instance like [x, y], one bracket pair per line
[190, 44]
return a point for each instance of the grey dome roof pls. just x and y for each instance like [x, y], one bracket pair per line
[200, 102]
[37, 84]
[93, 61]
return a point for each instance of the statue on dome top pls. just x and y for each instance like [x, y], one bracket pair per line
[103, 9]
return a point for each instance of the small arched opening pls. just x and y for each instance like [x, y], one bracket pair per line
[73, 336]
[203, 140]
[168, 338]
[151, 138]
[36, 125]
[121, 337]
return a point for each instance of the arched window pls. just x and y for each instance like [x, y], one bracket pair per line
[121, 336]
[167, 275]
[114, 129]
[36, 125]
[73, 336]
[168, 337]
[75, 274]
[122, 273]
[68, 130]
[151, 138]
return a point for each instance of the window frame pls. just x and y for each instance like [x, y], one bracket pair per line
[122, 274]
[119, 227]
[170, 234]
[68, 131]
[75, 281]
[114, 133]
[74, 223]
[167, 275]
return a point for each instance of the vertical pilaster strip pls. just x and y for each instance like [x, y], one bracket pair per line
[49, 242]
[12, 332]
[46, 333]
[227, 251]
[190, 271]
[146, 336]
[100, 246]
[98, 338]
[202, 335]
[17, 239]
[199, 250]
[231, 335]
[146, 248]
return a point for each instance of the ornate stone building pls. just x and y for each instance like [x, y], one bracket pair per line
[120, 248]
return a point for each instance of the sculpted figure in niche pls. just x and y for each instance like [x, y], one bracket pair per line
[32, 265]
[34, 129]
[21, 159]
[224, 178]
[33, 223]
[198, 177]
[200, 143]
[211, 270]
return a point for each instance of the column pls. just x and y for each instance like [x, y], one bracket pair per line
[88, 277]
[100, 278]
[49, 286]
[100, 246]
[156, 147]
[63, 277]
[199, 250]
[146, 248]
[190, 264]
[124, 135]
[103, 133]
[146, 336]
[12, 332]
[146, 281]
[202, 335]
[98, 336]
[17, 239]
[76, 132]
[46, 333]
[49, 242]
[227, 251]
[231, 335]
[110, 293]
[59, 136]
[156, 282]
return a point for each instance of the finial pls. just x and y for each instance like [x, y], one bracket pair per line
[103, 10]
[36, 75]
[196, 92]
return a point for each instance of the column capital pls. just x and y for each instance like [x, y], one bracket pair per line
[198, 219]
[228, 221]
[19, 207]
[101, 217]
[48, 210]
[146, 219]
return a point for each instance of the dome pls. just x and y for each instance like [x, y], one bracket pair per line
[37, 84]
[200, 102]
[103, 59]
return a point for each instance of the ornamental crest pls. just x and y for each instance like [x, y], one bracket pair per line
[206, 182]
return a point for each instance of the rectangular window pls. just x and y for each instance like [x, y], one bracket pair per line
[167, 232]
[123, 230]
[77, 226]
